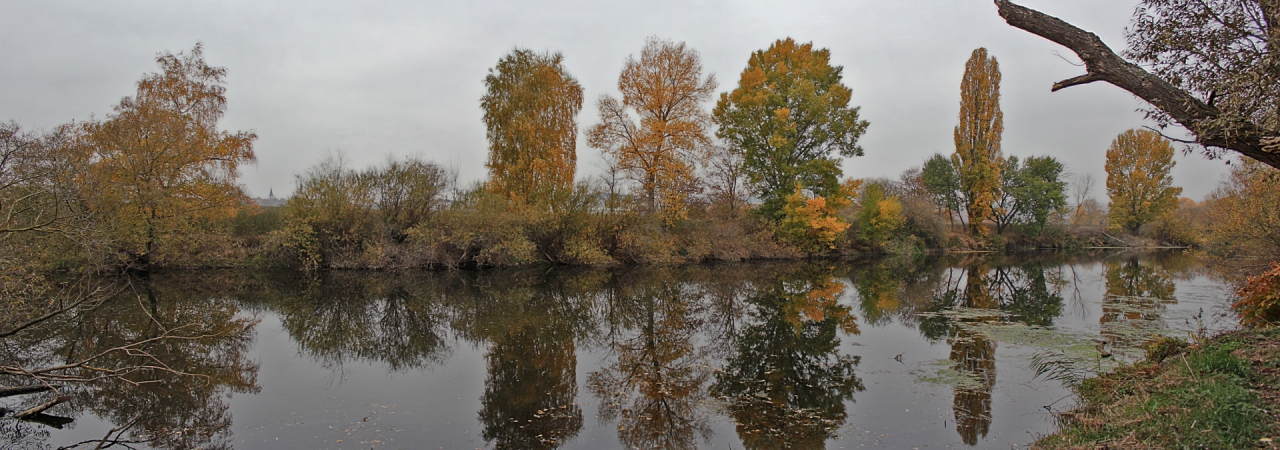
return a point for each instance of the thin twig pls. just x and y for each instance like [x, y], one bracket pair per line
[1193, 372]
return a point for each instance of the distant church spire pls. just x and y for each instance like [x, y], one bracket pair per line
[271, 193]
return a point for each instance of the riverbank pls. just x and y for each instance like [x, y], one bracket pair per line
[1222, 393]
[500, 236]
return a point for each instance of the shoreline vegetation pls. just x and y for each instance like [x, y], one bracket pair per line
[1219, 392]
[490, 233]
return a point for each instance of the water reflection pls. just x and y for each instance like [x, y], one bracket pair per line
[531, 385]
[157, 362]
[1136, 293]
[974, 357]
[786, 384]
[1027, 293]
[656, 379]
[346, 316]
[665, 352]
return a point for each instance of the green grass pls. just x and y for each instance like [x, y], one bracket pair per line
[1218, 395]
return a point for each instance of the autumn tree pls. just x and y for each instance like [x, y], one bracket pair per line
[42, 223]
[881, 214]
[725, 175]
[977, 158]
[790, 117]
[1210, 66]
[38, 188]
[1138, 179]
[1245, 212]
[1082, 195]
[530, 113]
[656, 131]
[161, 163]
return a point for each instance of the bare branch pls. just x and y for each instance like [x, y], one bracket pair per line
[42, 407]
[1171, 138]
[91, 296]
[22, 390]
[1075, 81]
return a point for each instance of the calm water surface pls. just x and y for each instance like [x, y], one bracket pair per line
[896, 353]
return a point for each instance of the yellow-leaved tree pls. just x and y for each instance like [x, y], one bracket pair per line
[160, 165]
[531, 107]
[881, 215]
[812, 223]
[1138, 179]
[978, 159]
[1244, 212]
[656, 132]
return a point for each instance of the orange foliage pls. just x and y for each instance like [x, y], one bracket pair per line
[530, 113]
[160, 163]
[1138, 179]
[813, 224]
[665, 89]
[819, 302]
[1260, 298]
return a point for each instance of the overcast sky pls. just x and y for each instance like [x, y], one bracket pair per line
[378, 78]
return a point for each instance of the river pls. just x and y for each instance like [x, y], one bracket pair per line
[959, 351]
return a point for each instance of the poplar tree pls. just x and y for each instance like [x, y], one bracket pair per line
[1138, 179]
[530, 113]
[978, 158]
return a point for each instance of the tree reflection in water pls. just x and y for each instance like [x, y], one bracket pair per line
[974, 356]
[186, 357]
[530, 392]
[787, 384]
[656, 380]
[1136, 295]
[758, 343]
[1026, 293]
[370, 318]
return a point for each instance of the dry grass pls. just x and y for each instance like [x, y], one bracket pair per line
[1223, 393]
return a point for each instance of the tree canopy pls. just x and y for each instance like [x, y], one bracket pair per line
[531, 107]
[1031, 191]
[789, 117]
[161, 163]
[657, 130]
[1138, 179]
[940, 178]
